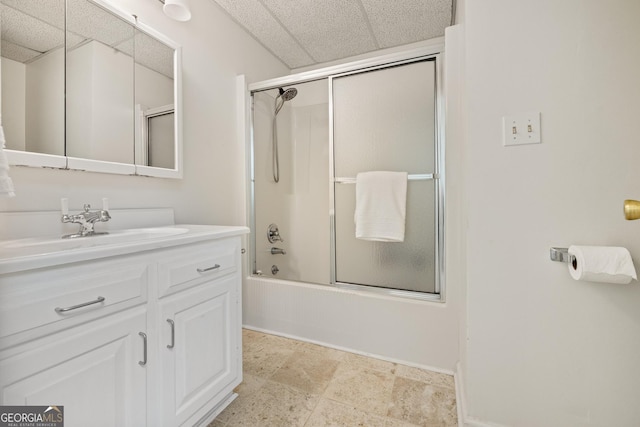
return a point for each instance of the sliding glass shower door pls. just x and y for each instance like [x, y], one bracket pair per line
[311, 139]
[385, 120]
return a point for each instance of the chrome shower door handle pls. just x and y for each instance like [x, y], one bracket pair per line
[144, 354]
[173, 333]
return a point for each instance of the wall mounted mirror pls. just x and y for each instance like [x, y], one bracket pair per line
[101, 93]
[32, 53]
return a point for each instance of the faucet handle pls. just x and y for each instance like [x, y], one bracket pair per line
[273, 234]
[64, 206]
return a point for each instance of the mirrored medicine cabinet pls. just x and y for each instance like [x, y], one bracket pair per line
[88, 87]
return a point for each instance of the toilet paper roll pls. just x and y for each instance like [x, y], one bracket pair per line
[604, 264]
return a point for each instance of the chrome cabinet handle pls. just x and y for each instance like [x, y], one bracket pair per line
[144, 355]
[173, 333]
[84, 304]
[204, 270]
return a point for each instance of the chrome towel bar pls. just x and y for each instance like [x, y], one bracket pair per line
[411, 177]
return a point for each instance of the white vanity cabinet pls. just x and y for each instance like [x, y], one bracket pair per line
[199, 318]
[55, 350]
[92, 371]
[147, 338]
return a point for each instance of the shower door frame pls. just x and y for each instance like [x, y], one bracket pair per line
[433, 52]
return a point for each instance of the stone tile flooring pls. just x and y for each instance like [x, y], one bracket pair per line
[291, 383]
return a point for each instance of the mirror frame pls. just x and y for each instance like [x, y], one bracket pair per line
[25, 158]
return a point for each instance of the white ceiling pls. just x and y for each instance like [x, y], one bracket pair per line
[307, 32]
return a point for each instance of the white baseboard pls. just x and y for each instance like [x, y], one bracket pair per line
[350, 350]
[461, 401]
[464, 420]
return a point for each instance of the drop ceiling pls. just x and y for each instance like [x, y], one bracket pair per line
[308, 32]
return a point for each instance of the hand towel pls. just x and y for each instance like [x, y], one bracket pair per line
[381, 204]
[6, 185]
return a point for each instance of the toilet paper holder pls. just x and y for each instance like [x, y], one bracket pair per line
[562, 255]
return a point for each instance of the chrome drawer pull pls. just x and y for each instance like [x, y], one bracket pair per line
[204, 270]
[173, 334]
[84, 304]
[144, 356]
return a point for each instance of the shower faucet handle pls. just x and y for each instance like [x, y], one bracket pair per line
[273, 234]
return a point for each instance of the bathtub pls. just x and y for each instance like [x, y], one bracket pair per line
[417, 333]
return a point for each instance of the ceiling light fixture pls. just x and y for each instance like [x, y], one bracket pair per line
[176, 9]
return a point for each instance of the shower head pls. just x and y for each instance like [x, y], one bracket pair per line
[284, 96]
[289, 94]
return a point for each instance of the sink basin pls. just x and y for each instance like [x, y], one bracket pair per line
[52, 244]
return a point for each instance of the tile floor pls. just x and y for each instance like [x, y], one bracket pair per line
[291, 383]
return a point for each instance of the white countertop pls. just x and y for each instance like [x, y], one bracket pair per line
[24, 254]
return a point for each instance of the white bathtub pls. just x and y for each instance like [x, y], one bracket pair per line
[417, 333]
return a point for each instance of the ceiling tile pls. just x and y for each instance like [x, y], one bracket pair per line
[49, 11]
[17, 53]
[328, 29]
[400, 22]
[252, 15]
[45, 38]
[154, 54]
[92, 22]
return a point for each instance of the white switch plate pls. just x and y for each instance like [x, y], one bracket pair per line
[519, 129]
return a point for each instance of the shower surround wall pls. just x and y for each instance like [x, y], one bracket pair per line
[300, 200]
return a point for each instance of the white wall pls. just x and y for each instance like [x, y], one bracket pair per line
[33, 103]
[44, 99]
[99, 114]
[13, 94]
[215, 51]
[152, 88]
[544, 350]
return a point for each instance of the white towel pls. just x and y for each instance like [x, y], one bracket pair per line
[381, 205]
[6, 185]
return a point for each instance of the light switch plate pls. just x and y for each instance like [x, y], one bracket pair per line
[519, 129]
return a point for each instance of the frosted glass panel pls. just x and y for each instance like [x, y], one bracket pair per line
[385, 120]
[409, 265]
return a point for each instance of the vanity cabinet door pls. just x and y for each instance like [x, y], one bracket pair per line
[199, 350]
[92, 370]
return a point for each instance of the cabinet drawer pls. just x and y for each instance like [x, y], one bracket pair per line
[182, 268]
[66, 296]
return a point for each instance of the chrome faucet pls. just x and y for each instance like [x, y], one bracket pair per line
[278, 251]
[86, 220]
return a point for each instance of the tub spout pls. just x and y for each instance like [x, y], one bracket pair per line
[278, 251]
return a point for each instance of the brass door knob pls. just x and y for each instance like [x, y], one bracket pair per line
[631, 209]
